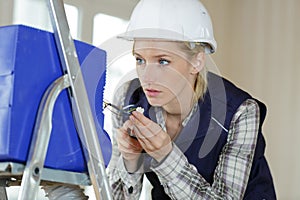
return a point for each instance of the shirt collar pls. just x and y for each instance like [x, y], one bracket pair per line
[162, 122]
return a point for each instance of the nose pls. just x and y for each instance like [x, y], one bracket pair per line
[147, 73]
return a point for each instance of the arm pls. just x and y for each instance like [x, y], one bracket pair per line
[124, 185]
[182, 181]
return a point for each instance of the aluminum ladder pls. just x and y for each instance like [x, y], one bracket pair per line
[73, 81]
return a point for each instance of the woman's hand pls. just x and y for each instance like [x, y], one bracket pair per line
[151, 137]
[129, 147]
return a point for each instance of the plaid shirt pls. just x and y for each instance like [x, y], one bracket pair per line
[182, 181]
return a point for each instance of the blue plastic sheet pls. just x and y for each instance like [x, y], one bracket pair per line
[29, 63]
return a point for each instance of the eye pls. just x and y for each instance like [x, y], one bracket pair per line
[163, 61]
[139, 61]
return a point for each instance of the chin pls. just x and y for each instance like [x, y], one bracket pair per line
[154, 101]
[158, 101]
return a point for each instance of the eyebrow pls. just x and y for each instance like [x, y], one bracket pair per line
[156, 56]
[134, 53]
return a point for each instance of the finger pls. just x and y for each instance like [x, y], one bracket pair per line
[126, 141]
[140, 118]
[138, 122]
[146, 127]
[142, 132]
[147, 142]
[128, 125]
[129, 148]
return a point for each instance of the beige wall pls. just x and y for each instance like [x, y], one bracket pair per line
[6, 12]
[259, 50]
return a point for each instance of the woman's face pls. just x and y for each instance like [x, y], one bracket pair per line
[165, 72]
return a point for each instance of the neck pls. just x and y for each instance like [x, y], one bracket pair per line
[179, 107]
[173, 124]
[175, 112]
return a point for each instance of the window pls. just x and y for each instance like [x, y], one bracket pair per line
[72, 17]
[120, 62]
[23, 15]
[106, 27]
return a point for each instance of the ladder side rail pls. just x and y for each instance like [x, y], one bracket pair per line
[3, 193]
[40, 140]
[79, 100]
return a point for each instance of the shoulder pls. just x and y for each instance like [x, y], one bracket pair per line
[226, 97]
[223, 90]
[248, 107]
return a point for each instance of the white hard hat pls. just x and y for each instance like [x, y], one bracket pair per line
[178, 20]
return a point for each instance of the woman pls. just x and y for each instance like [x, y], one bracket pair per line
[200, 136]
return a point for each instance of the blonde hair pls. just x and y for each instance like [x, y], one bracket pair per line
[192, 49]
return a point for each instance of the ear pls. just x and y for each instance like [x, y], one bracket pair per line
[198, 63]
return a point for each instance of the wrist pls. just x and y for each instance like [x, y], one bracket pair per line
[133, 165]
[166, 151]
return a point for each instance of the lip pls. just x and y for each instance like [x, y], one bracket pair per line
[152, 92]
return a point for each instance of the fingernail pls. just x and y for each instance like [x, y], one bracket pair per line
[131, 118]
[135, 113]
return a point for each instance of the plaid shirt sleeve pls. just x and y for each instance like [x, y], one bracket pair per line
[123, 184]
[181, 179]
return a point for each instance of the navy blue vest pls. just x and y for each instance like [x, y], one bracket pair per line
[203, 138]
